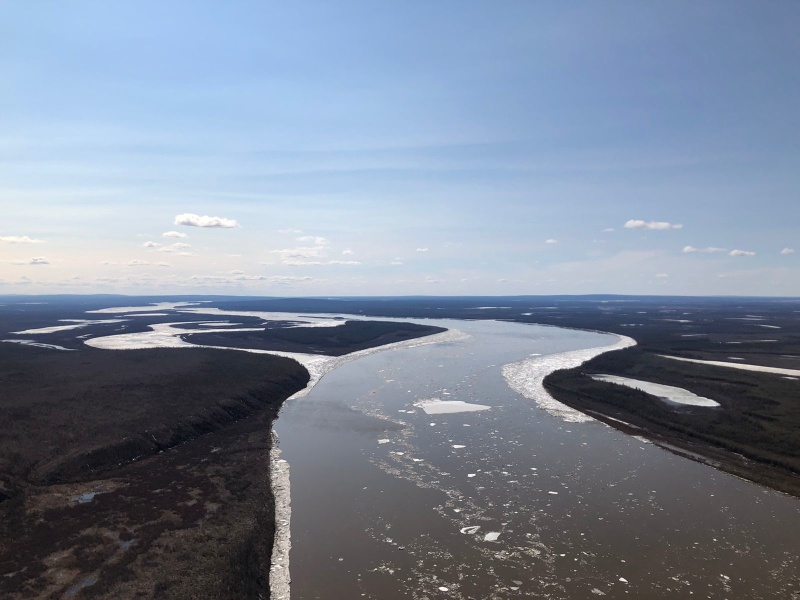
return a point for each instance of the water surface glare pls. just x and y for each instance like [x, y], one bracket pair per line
[575, 509]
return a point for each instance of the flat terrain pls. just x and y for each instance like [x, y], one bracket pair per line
[144, 473]
[753, 434]
[349, 337]
[137, 472]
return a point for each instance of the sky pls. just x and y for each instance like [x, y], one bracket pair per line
[400, 148]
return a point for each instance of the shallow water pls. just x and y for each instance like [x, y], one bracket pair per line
[581, 510]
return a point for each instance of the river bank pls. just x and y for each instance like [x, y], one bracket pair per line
[138, 474]
[752, 434]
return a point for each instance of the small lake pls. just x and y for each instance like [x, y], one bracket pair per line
[510, 502]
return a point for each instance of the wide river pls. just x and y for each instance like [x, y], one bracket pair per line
[391, 502]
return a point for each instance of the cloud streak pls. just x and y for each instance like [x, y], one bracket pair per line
[651, 225]
[709, 250]
[741, 253]
[19, 239]
[192, 220]
[143, 263]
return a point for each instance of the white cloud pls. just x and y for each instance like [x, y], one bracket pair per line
[151, 245]
[39, 260]
[551, 241]
[192, 220]
[285, 279]
[240, 277]
[176, 247]
[656, 225]
[313, 239]
[396, 262]
[422, 249]
[741, 253]
[299, 252]
[316, 263]
[347, 252]
[608, 230]
[709, 250]
[787, 251]
[19, 239]
[662, 275]
[174, 234]
[143, 263]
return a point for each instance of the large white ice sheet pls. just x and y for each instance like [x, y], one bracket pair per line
[669, 393]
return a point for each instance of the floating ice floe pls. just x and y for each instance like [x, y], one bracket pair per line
[491, 536]
[384, 441]
[38, 345]
[471, 529]
[743, 367]
[526, 377]
[667, 393]
[434, 406]
[457, 446]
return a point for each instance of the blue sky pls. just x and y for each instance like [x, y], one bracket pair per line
[400, 147]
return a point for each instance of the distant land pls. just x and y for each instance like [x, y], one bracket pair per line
[102, 451]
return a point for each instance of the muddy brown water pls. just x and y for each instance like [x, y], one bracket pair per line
[582, 511]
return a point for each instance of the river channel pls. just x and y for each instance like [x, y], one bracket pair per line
[512, 501]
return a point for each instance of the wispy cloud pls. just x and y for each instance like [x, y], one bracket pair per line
[174, 234]
[787, 251]
[709, 250]
[239, 278]
[177, 247]
[192, 220]
[300, 252]
[151, 245]
[741, 253]
[422, 249]
[551, 241]
[313, 239]
[608, 230]
[347, 252]
[653, 225]
[143, 263]
[39, 260]
[316, 263]
[19, 239]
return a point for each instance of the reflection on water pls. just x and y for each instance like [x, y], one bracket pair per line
[391, 502]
